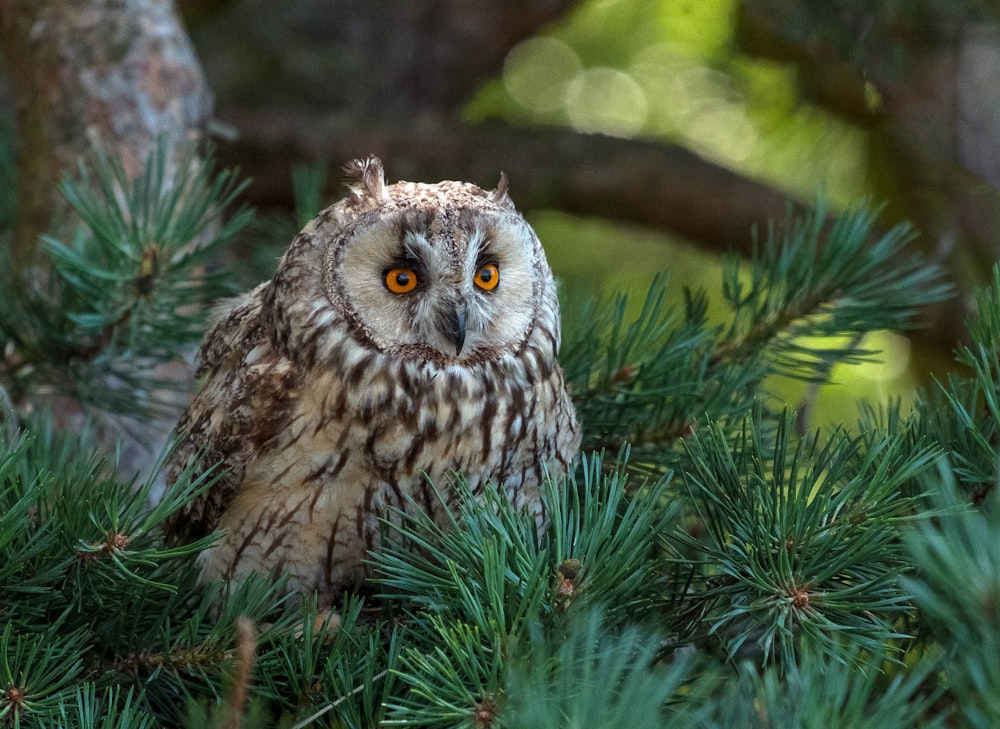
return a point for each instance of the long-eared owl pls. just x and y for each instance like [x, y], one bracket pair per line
[411, 332]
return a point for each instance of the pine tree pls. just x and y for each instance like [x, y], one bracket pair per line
[713, 561]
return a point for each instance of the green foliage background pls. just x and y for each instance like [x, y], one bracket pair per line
[668, 70]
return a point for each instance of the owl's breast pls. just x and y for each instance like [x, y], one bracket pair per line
[355, 447]
[401, 423]
[426, 422]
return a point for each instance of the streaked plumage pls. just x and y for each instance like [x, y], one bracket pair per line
[328, 397]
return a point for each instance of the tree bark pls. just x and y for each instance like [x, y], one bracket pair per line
[111, 75]
[115, 76]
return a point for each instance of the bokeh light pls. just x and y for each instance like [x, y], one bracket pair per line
[538, 71]
[606, 100]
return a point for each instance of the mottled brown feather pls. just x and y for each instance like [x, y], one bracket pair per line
[257, 398]
[329, 399]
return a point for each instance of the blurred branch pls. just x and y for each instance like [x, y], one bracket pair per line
[651, 183]
[922, 77]
[386, 59]
[657, 184]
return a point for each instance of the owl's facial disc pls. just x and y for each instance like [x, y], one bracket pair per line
[447, 285]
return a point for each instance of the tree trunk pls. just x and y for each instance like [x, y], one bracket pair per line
[114, 76]
[111, 75]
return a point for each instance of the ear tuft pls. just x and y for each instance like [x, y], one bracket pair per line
[366, 181]
[499, 195]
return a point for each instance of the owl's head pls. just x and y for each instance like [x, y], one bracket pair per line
[444, 272]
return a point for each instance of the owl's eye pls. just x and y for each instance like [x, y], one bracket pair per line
[488, 277]
[401, 280]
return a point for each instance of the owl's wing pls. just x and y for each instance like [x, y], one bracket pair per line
[243, 405]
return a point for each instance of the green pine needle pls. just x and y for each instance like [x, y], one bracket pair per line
[593, 676]
[802, 304]
[802, 542]
[957, 585]
[112, 708]
[127, 292]
[813, 282]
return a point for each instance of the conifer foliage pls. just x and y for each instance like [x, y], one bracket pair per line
[126, 292]
[712, 561]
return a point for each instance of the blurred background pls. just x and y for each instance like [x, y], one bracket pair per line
[641, 137]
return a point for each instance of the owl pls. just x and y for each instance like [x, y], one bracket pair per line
[410, 333]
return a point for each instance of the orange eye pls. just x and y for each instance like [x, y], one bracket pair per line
[488, 277]
[401, 280]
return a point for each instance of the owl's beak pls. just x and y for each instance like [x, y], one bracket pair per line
[452, 325]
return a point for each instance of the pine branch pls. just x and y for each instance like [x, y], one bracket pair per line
[857, 693]
[594, 676]
[38, 671]
[492, 565]
[957, 586]
[801, 547]
[456, 681]
[651, 381]
[112, 708]
[333, 705]
[90, 593]
[813, 282]
[490, 582]
[962, 411]
[644, 383]
[308, 182]
[126, 290]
